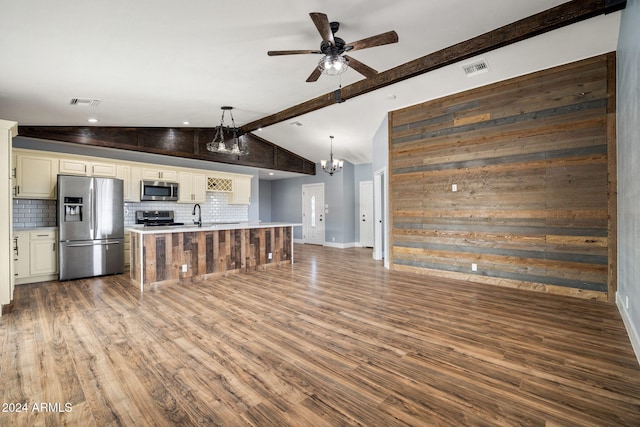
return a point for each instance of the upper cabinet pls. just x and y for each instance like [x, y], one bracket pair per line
[72, 166]
[193, 187]
[159, 174]
[241, 194]
[35, 176]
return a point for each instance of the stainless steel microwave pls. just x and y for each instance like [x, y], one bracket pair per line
[158, 190]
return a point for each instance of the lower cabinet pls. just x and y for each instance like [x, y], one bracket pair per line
[127, 250]
[35, 256]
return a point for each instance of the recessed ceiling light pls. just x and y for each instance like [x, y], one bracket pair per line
[93, 120]
[186, 122]
[259, 129]
[271, 173]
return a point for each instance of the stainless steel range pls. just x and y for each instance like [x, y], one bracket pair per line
[156, 218]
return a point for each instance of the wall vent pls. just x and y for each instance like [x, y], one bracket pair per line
[85, 102]
[477, 67]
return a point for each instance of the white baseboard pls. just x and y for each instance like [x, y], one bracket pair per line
[339, 245]
[631, 330]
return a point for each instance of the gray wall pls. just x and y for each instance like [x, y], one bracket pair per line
[265, 200]
[628, 119]
[286, 203]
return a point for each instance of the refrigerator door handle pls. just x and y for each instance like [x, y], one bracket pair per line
[77, 245]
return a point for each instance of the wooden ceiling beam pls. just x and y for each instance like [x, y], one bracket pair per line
[551, 19]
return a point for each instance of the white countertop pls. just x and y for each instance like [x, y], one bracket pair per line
[207, 226]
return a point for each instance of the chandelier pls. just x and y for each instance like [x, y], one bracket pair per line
[334, 165]
[217, 145]
[333, 65]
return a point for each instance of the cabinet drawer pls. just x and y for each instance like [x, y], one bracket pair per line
[42, 235]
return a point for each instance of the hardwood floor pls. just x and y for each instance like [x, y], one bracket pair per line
[334, 339]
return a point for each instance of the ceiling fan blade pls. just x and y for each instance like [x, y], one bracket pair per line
[363, 69]
[314, 76]
[290, 52]
[379, 40]
[322, 24]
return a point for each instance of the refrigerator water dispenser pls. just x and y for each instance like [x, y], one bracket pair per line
[73, 209]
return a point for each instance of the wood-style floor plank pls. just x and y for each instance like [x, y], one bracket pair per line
[334, 339]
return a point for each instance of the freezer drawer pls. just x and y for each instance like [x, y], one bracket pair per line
[91, 258]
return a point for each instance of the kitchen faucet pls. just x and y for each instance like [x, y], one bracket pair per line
[199, 221]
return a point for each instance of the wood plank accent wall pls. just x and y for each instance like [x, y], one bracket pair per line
[533, 159]
[208, 253]
[189, 143]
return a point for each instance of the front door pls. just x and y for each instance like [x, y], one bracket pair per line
[313, 214]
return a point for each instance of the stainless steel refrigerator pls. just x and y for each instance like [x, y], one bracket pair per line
[91, 226]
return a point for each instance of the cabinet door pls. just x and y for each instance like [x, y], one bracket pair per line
[199, 187]
[73, 167]
[20, 254]
[159, 174]
[43, 253]
[35, 177]
[105, 170]
[123, 172]
[241, 191]
[192, 187]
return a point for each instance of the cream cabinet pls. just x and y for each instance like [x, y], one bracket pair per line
[21, 254]
[127, 250]
[156, 174]
[241, 194]
[193, 187]
[35, 176]
[73, 166]
[43, 252]
[131, 177]
[35, 255]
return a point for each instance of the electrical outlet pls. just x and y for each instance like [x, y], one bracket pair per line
[474, 267]
[626, 302]
[270, 255]
[184, 268]
[454, 187]
[333, 239]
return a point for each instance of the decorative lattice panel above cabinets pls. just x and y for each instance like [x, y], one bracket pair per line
[219, 184]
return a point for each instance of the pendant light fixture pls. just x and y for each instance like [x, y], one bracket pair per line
[334, 165]
[217, 145]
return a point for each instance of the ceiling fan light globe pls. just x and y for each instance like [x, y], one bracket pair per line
[333, 65]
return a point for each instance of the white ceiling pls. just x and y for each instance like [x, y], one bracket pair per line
[160, 62]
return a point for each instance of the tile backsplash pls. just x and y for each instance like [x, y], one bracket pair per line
[42, 213]
[33, 213]
[215, 208]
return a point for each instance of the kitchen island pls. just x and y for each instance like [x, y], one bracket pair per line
[168, 254]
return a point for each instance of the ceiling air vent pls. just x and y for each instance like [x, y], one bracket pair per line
[85, 102]
[477, 67]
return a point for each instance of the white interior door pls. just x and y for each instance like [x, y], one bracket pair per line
[379, 216]
[313, 214]
[366, 214]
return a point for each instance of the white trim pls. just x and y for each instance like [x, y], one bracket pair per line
[340, 245]
[634, 337]
[381, 213]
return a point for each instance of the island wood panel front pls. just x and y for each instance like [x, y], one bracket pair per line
[531, 158]
[207, 253]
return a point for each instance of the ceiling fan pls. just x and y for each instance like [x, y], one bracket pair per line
[333, 48]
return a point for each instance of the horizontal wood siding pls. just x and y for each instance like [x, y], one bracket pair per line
[208, 253]
[530, 159]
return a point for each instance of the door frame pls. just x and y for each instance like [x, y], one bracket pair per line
[380, 203]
